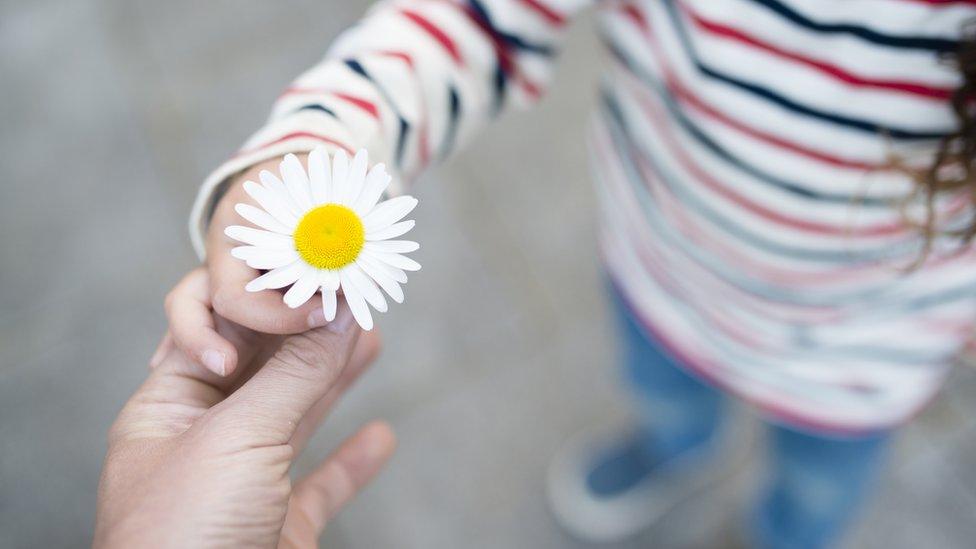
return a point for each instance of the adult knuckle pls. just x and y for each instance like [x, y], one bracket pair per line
[302, 350]
[313, 355]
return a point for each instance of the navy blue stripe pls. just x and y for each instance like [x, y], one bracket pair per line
[511, 40]
[501, 83]
[940, 45]
[863, 126]
[404, 125]
[358, 68]
[750, 238]
[716, 149]
[314, 107]
[402, 141]
[454, 113]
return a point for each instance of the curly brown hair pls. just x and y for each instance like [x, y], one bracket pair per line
[953, 168]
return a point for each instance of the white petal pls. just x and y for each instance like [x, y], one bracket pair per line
[366, 286]
[271, 182]
[375, 270]
[376, 183]
[319, 175]
[357, 175]
[398, 261]
[358, 306]
[263, 258]
[393, 246]
[262, 219]
[275, 186]
[396, 273]
[278, 278]
[389, 212]
[296, 181]
[329, 279]
[252, 252]
[329, 303]
[257, 237]
[340, 179]
[393, 231]
[273, 202]
[303, 290]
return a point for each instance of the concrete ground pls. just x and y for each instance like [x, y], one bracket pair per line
[111, 113]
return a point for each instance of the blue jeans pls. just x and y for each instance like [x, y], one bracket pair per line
[815, 481]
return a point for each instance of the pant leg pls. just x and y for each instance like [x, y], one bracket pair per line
[677, 410]
[817, 483]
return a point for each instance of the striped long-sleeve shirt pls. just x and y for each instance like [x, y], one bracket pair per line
[741, 153]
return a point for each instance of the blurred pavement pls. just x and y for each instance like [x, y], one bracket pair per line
[112, 112]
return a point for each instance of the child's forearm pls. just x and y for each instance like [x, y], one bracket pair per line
[410, 83]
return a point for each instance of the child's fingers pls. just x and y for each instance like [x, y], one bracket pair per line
[263, 311]
[192, 325]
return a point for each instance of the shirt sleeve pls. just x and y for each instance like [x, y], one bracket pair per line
[411, 82]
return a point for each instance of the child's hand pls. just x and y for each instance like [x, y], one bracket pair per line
[262, 311]
[190, 307]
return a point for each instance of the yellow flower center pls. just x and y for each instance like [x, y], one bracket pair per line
[330, 237]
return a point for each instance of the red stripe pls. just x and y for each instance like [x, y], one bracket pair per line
[831, 70]
[403, 56]
[546, 12]
[678, 90]
[363, 104]
[436, 33]
[637, 16]
[296, 135]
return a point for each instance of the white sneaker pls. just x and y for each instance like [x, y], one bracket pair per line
[605, 518]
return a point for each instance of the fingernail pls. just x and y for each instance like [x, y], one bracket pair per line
[214, 361]
[316, 319]
[343, 319]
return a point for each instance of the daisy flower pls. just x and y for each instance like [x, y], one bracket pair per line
[326, 230]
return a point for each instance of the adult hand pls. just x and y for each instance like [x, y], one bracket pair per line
[201, 460]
